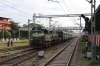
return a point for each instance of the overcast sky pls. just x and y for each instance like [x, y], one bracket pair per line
[22, 10]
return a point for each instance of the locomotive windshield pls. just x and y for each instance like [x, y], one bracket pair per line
[37, 35]
[37, 31]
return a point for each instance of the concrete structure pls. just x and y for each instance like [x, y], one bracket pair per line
[4, 23]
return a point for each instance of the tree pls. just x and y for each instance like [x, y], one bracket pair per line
[32, 25]
[25, 26]
[0, 34]
[6, 34]
[14, 28]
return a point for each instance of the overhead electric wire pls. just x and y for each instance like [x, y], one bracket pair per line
[13, 13]
[14, 8]
[27, 5]
[73, 6]
[59, 4]
[61, 7]
[66, 6]
[22, 6]
[75, 9]
[68, 10]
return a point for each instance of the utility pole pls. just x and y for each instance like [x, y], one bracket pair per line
[93, 29]
[34, 17]
[80, 25]
[19, 33]
[3, 32]
[50, 22]
[29, 30]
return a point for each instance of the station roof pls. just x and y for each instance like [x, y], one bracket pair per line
[5, 18]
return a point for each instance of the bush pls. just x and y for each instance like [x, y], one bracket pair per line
[94, 62]
[23, 38]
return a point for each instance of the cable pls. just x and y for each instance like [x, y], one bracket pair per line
[66, 6]
[15, 8]
[61, 7]
[22, 5]
[69, 11]
[13, 13]
[59, 4]
[27, 5]
[75, 9]
[73, 6]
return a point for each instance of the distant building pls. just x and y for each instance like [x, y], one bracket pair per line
[4, 23]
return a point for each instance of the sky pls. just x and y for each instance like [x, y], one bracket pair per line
[21, 10]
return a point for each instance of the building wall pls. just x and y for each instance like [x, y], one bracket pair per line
[4, 23]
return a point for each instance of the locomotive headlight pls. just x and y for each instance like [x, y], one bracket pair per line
[36, 33]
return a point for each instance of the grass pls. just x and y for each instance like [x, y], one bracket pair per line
[11, 52]
[91, 62]
[1, 42]
[3, 45]
[15, 44]
[51, 53]
[35, 61]
[87, 61]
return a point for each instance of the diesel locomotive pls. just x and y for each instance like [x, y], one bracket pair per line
[42, 38]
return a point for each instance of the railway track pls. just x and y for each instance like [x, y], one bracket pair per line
[13, 49]
[62, 57]
[20, 58]
[14, 59]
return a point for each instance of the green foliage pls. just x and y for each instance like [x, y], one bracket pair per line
[25, 26]
[14, 25]
[23, 38]
[6, 33]
[50, 53]
[14, 28]
[0, 34]
[91, 62]
[32, 25]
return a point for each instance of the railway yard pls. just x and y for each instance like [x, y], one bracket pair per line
[38, 33]
[64, 54]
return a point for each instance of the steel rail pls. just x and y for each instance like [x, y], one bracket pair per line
[45, 64]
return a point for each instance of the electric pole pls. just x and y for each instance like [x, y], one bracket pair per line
[93, 28]
[29, 30]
